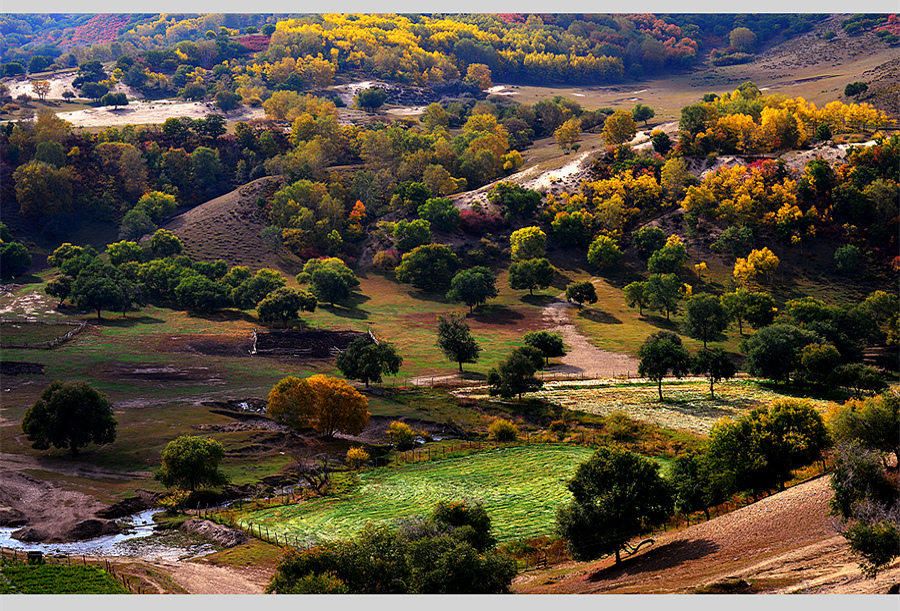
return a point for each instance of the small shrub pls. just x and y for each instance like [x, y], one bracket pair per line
[847, 258]
[503, 431]
[402, 435]
[387, 260]
[356, 458]
[559, 428]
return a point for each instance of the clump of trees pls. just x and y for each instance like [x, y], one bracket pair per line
[451, 551]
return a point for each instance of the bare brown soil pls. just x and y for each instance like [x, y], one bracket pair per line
[784, 543]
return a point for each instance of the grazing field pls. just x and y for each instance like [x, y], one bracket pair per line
[54, 579]
[520, 487]
[19, 333]
[687, 405]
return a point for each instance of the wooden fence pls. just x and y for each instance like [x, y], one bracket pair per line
[53, 343]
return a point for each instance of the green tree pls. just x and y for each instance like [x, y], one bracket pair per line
[714, 364]
[135, 225]
[758, 309]
[252, 290]
[635, 293]
[329, 285]
[514, 199]
[860, 378]
[410, 234]
[668, 259]
[818, 363]
[515, 375]
[190, 462]
[872, 423]
[284, 304]
[370, 99]
[60, 287]
[430, 267]
[705, 318]
[367, 361]
[164, 243]
[473, 286]
[855, 89]
[123, 252]
[156, 205]
[773, 351]
[664, 292]
[581, 292]
[198, 293]
[531, 274]
[550, 344]
[441, 213]
[96, 291]
[527, 243]
[456, 341]
[647, 240]
[618, 495]
[744, 39]
[14, 259]
[660, 354]
[604, 252]
[114, 99]
[690, 484]
[69, 415]
[642, 112]
[847, 258]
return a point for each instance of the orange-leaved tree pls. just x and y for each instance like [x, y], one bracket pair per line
[329, 405]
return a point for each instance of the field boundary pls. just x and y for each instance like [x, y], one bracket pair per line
[53, 343]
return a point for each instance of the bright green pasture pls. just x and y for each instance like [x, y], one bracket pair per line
[520, 487]
[54, 579]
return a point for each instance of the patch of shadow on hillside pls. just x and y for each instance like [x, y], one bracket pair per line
[667, 556]
[345, 312]
[496, 315]
[128, 321]
[538, 300]
[599, 316]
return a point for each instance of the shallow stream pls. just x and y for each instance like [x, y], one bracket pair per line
[140, 539]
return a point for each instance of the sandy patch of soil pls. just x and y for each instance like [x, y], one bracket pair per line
[783, 543]
[582, 356]
[27, 305]
[156, 112]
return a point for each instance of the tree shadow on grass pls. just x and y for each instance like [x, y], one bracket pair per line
[664, 557]
[599, 316]
[662, 323]
[497, 315]
[538, 300]
[345, 312]
[128, 321]
[28, 279]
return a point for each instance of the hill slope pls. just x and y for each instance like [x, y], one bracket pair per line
[229, 227]
[784, 543]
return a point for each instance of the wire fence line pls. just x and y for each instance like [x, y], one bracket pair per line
[61, 559]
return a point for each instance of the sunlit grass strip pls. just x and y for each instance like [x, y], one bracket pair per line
[686, 406]
[51, 579]
[520, 487]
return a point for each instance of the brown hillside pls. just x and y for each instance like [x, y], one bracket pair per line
[229, 227]
[784, 543]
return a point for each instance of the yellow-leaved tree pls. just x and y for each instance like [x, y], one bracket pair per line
[757, 262]
[328, 405]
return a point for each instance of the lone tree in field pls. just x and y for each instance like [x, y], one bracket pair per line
[473, 286]
[69, 415]
[642, 112]
[190, 462]
[581, 292]
[705, 318]
[715, 365]
[371, 99]
[531, 274]
[550, 344]
[619, 495]
[456, 341]
[660, 354]
[515, 375]
[366, 361]
[329, 405]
